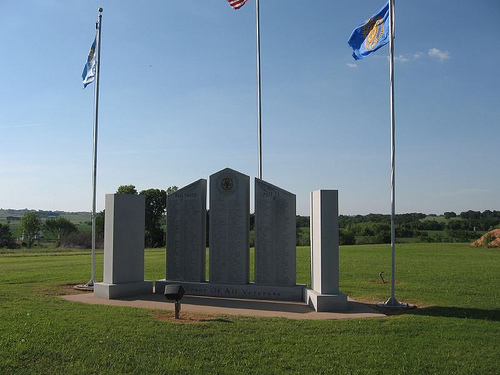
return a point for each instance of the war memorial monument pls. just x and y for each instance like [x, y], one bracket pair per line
[229, 244]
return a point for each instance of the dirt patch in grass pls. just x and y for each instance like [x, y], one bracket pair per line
[189, 318]
[59, 290]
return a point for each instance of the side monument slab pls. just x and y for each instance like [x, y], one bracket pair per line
[275, 238]
[186, 235]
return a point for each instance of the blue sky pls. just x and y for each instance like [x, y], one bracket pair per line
[178, 101]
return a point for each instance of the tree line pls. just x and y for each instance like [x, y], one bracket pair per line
[376, 228]
[356, 229]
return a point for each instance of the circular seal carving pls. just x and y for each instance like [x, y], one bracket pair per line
[226, 183]
[372, 32]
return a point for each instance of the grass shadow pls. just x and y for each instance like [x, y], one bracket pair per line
[220, 320]
[445, 312]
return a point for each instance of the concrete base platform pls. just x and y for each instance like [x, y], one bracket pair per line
[112, 291]
[232, 307]
[326, 302]
[245, 291]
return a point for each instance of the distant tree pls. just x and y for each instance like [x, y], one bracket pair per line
[303, 237]
[383, 237]
[156, 201]
[458, 225]
[411, 219]
[487, 214]
[406, 231]
[449, 215]
[99, 224]
[461, 235]
[346, 237]
[431, 225]
[79, 240]
[126, 189]
[30, 227]
[366, 229]
[172, 189]
[382, 233]
[5, 235]
[207, 229]
[302, 221]
[60, 228]
[470, 215]
[424, 237]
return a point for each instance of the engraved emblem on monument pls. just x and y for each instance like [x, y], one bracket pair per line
[227, 183]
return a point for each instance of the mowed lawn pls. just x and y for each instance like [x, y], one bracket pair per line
[455, 330]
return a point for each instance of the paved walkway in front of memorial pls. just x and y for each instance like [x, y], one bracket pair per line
[230, 306]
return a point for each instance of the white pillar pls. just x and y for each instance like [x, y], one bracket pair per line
[123, 274]
[324, 294]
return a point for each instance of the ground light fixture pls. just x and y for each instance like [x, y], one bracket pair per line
[174, 292]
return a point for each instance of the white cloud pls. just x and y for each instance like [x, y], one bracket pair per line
[408, 57]
[432, 53]
[438, 54]
[401, 58]
[352, 65]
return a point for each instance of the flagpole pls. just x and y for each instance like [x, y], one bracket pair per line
[94, 154]
[259, 116]
[392, 302]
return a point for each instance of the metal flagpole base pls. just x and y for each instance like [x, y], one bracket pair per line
[89, 287]
[90, 283]
[393, 303]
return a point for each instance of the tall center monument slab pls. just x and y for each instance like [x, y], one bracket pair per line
[229, 227]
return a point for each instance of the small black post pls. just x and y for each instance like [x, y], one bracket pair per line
[174, 292]
[177, 309]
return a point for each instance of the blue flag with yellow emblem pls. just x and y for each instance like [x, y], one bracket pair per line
[89, 69]
[370, 35]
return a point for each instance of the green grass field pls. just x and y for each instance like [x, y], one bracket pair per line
[455, 330]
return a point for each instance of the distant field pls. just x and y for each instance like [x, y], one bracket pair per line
[79, 219]
[455, 330]
[74, 217]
